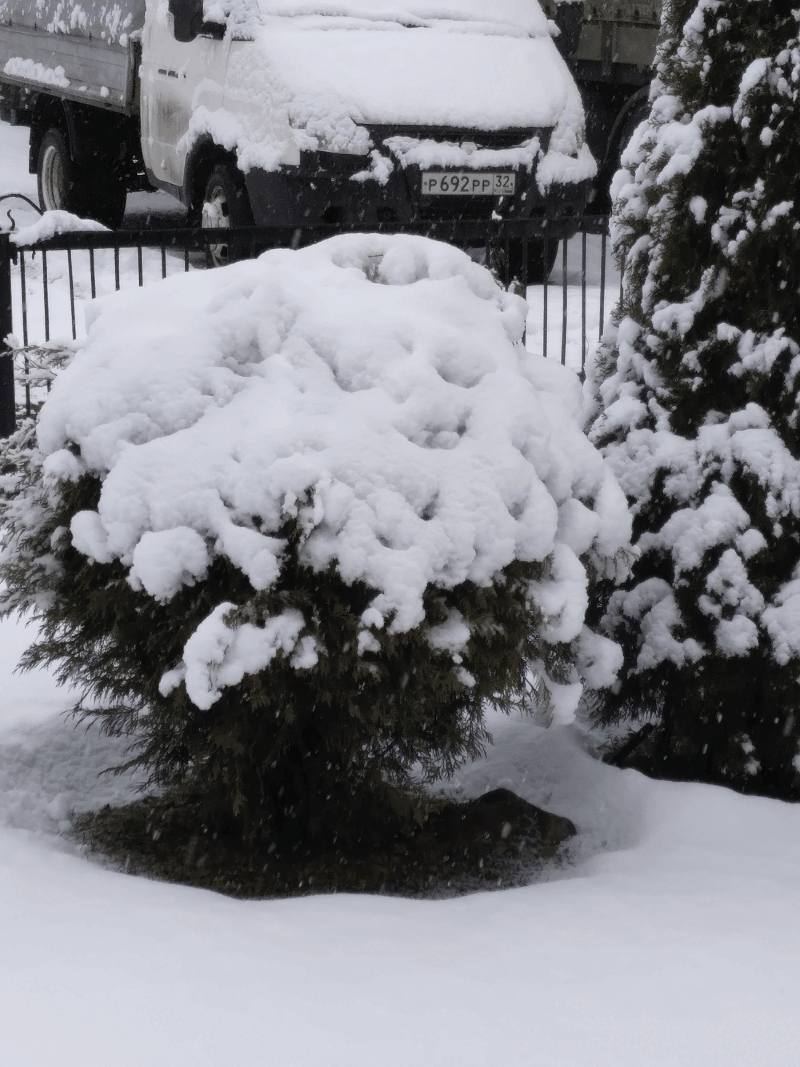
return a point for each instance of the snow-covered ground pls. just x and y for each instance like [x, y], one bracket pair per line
[670, 936]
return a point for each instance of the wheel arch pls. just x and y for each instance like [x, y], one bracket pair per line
[85, 128]
[611, 158]
[633, 104]
[204, 155]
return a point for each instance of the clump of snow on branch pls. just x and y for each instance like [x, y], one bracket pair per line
[375, 390]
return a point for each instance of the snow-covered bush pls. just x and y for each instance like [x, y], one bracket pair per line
[295, 522]
[697, 398]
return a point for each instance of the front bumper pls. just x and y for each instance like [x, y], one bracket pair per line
[323, 191]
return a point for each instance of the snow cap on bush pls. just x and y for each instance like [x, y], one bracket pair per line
[373, 387]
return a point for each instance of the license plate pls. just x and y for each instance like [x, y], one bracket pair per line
[467, 183]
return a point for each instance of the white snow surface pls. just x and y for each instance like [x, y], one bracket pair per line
[413, 76]
[372, 386]
[669, 937]
[51, 223]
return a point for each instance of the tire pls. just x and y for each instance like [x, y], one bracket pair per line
[58, 178]
[531, 269]
[64, 186]
[225, 205]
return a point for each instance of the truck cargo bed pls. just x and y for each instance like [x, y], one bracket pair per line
[73, 67]
[83, 52]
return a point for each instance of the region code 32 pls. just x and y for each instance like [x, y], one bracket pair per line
[467, 183]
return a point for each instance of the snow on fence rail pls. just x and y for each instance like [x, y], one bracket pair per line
[44, 286]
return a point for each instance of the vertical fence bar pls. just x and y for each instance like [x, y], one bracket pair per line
[46, 291]
[91, 273]
[24, 304]
[71, 293]
[8, 414]
[163, 262]
[546, 254]
[526, 248]
[603, 243]
[23, 297]
[583, 303]
[116, 267]
[564, 302]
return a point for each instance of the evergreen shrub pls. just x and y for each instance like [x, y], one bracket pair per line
[696, 401]
[292, 524]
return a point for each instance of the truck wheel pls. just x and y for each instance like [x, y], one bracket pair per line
[57, 176]
[225, 205]
[64, 186]
[531, 269]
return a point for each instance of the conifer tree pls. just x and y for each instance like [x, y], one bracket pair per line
[696, 394]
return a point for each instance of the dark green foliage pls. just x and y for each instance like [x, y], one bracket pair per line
[322, 753]
[698, 401]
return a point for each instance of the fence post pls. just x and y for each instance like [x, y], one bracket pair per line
[8, 418]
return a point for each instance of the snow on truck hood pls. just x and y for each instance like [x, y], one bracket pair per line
[421, 77]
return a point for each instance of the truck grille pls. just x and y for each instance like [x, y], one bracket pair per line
[508, 138]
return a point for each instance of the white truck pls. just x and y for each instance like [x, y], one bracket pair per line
[295, 114]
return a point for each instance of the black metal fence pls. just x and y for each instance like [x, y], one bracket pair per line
[44, 286]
